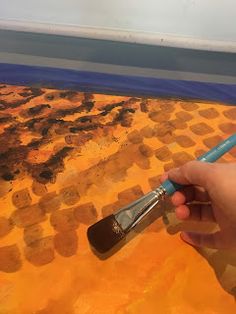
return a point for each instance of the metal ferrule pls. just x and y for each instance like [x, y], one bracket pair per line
[129, 216]
[161, 192]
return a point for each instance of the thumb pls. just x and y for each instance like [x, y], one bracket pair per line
[212, 240]
[192, 173]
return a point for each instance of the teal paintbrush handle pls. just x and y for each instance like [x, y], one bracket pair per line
[211, 156]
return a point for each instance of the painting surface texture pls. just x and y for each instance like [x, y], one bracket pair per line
[69, 158]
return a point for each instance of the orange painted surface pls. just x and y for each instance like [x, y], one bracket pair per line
[66, 160]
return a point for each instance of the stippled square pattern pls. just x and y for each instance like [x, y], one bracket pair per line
[69, 158]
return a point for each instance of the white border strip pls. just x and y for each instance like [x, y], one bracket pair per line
[119, 35]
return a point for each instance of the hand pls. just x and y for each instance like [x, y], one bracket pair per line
[216, 185]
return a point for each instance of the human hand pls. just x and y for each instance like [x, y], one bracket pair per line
[214, 186]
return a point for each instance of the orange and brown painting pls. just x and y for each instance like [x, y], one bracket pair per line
[69, 158]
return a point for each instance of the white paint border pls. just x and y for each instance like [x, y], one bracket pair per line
[131, 36]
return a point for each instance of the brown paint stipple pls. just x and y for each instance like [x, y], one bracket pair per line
[47, 171]
[230, 114]
[52, 96]
[40, 252]
[201, 128]
[154, 182]
[5, 118]
[129, 195]
[163, 153]
[159, 116]
[86, 214]
[31, 93]
[199, 152]
[169, 166]
[113, 168]
[21, 198]
[228, 128]
[64, 220]
[166, 106]
[132, 100]
[109, 107]
[181, 158]
[78, 140]
[189, 106]
[66, 243]
[73, 96]
[125, 117]
[210, 113]
[34, 111]
[135, 137]
[39, 189]
[10, 143]
[15, 157]
[28, 216]
[5, 187]
[147, 132]
[6, 225]
[111, 208]
[184, 116]
[69, 195]
[184, 141]
[141, 161]
[210, 142]
[167, 139]
[88, 97]
[84, 107]
[144, 106]
[50, 202]
[146, 150]
[49, 124]
[33, 233]
[10, 260]
[178, 124]
[58, 146]
[165, 132]
[70, 139]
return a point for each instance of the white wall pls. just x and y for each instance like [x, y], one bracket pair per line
[203, 20]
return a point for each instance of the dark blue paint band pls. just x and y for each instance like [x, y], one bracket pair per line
[116, 84]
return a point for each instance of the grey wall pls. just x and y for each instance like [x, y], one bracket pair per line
[211, 20]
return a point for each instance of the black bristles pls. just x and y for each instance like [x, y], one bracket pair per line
[105, 234]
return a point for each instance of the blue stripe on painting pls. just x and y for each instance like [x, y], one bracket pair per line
[116, 84]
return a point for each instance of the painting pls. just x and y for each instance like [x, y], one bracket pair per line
[68, 159]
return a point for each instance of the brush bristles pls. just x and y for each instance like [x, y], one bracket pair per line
[105, 234]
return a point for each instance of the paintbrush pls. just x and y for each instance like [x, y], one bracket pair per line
[108, 232]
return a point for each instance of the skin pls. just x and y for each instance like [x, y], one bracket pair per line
[213, 187]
